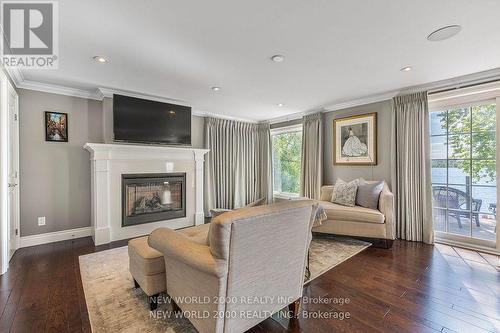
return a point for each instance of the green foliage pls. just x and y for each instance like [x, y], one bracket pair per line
[287, 149]
[481, 121]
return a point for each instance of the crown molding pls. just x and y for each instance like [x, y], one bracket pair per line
[338, 106]
[109, 92]
[60, 90]
[221, 116]
[102, 92]
[361, 101]
[15, 75]
[459, 82]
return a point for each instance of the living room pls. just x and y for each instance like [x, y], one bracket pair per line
[249, 166]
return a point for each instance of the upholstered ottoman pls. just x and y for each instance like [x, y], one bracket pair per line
[147, 265]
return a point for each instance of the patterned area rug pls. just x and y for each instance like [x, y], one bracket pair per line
[115, 306]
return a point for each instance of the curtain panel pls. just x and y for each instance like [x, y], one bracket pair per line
[238, 167]
[411, 175]
[311, 169]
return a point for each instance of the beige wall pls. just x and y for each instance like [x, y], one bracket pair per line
[55, 176]
[382, 171]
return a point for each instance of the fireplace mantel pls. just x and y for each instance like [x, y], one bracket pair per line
[104, 151]
[110, 161]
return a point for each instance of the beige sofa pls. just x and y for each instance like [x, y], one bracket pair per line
[374, 225]
[251, 265]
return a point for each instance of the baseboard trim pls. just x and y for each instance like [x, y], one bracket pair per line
[57, 236]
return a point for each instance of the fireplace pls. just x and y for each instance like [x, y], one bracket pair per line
[153, 197]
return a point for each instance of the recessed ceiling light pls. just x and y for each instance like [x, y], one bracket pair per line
[215, 88]
[406, 69]
[100, 59]
[277, 58]
[281, 105]
[444, 33]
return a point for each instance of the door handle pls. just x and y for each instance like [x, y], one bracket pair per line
[12, 185]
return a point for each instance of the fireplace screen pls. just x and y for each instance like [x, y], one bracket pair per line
[153, 197]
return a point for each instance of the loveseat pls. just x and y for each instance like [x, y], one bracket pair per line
[374, 225]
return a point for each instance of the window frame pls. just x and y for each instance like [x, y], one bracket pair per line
[277, 131]
[469, 97]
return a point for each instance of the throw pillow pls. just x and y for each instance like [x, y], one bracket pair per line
[345, 193]
[368, 194]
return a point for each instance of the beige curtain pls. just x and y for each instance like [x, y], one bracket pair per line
[312, 156]
[411, 177]
[238, 166]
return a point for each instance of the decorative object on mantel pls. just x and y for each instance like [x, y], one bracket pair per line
[355, 140]
[108, 286]
[56, 126]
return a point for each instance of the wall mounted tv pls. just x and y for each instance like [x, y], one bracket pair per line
[145, 121]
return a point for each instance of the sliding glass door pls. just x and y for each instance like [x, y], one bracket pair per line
[464, 178]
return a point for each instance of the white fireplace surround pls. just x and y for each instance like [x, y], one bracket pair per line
[110, 161]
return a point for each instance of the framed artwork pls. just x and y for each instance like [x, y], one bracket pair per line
[355, 140]
[56, 126]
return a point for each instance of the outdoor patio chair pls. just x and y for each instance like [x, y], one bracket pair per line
[453, 198]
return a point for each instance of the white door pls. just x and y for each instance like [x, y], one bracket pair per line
[13, 170]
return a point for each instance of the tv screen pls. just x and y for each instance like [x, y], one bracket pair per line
[140, 120]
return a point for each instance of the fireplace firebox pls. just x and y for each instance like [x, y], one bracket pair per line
[153, 197]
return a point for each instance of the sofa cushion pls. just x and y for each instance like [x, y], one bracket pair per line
[369, 193]
[345, 193]
[354, 214]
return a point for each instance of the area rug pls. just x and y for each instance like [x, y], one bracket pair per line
[115, 306]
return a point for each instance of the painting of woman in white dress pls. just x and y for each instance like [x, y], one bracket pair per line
[353, 146]
[355, 140]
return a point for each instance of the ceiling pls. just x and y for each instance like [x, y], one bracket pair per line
[335, 50]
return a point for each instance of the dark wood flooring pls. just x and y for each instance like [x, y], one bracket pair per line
[411, 288]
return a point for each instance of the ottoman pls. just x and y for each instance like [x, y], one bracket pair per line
[147, 265]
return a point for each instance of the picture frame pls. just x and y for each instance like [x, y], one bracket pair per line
[56, 126]
[355, 140]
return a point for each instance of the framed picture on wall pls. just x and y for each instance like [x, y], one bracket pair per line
[56, 126]
[355, 140]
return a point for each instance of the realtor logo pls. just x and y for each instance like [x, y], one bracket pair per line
[30, 37]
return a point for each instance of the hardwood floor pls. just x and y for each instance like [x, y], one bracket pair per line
[412, 288]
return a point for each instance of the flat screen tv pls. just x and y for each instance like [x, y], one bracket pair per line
[145, 121]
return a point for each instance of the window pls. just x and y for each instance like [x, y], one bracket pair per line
[464, 179]
[287, 151]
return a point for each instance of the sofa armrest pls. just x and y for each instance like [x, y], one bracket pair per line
[176, 246]
[326, 193]
[386, 207]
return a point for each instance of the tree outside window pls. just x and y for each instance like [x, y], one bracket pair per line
[287, 150]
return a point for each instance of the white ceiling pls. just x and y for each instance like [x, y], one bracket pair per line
[336, 50]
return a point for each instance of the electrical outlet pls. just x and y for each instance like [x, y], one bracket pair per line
[41, 220]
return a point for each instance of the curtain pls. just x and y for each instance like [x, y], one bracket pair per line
[238, 167]
[411, 177]
[311, 170]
